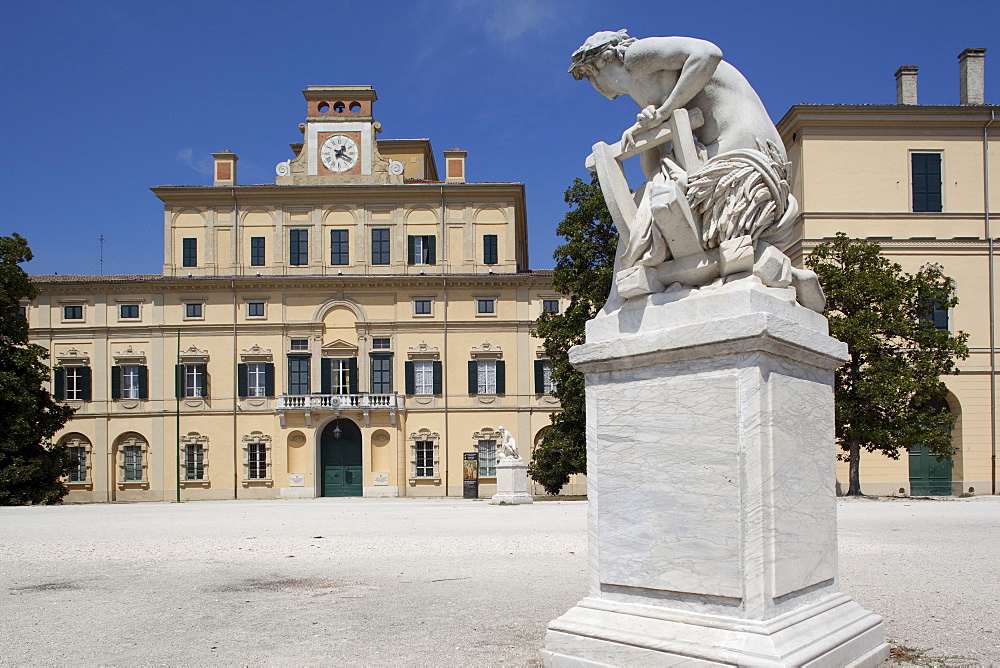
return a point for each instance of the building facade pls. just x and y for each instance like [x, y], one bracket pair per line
[919, 180]
[353, 329]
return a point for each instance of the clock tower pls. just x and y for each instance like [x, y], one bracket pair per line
[339, 144]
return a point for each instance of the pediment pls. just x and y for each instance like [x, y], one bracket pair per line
[339, 348]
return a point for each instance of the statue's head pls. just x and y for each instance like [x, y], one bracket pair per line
[599, 49]
[501, 429]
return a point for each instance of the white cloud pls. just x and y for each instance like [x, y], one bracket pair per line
[507, 21]
[202, 166]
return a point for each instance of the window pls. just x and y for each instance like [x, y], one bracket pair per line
[73, 312]
[257, 461]
[298, 374]
[128, 311]
[132, 455]
[298, 247]
[257, 379]
[486, 306]
[257, 251]
[422, 306]
[926, 180]
[550, 305]
[380, 245]
[423, 377]
[381, 374]
[191, 381]
[487, 458]
[78, 468]
[424, 453]
[255, 309]
[340, 375]
[299, 344]
[193, 310]
[487, 377]
[189, 253]
[420, 249]
[543, 377]
[489, 249]
[339, 248]
[381, 343]
[938, 317]
[130, 381]
[22, 311]
[194, 462]
[72, 383]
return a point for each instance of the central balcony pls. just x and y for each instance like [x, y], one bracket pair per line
[309, 404]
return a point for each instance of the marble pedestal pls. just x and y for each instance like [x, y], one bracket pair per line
[713, 519]
[512, 483]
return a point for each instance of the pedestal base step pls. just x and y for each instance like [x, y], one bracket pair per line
[511, 498]
[831, 633]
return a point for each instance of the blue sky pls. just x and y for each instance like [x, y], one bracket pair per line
[104, 99]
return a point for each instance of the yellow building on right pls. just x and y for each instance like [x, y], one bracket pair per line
[919, 180]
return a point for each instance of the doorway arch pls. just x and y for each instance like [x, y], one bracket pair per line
[341, 469]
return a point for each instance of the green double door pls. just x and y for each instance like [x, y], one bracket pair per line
[340, 459]
[928, 476]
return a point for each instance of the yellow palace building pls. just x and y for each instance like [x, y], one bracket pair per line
[355, 328]
[924, 182]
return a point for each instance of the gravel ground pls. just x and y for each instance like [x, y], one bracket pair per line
[413, 582]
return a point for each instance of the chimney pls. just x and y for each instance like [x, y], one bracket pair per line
[225, 168]
[971, 66]
[454, 165]
[906, 84]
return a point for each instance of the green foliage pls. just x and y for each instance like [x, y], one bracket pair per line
[889, 396]
[584, 267]
[30, 467]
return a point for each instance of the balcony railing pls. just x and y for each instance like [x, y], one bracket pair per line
[312, 402]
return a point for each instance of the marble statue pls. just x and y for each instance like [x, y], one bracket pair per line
[507, 449]
[712, 509]
[716, 206]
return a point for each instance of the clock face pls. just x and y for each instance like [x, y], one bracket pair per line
[339, 153]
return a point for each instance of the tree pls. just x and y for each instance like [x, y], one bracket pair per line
[31, 467]
[584, 268]
[889, 395]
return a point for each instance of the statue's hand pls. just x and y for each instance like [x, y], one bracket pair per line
[628, 137]
[650, 117]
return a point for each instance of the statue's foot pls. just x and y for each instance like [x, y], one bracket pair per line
[808, 291]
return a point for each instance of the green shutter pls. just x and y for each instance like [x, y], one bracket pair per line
[501, 378]
[352, 375]
[178, 380]
[326, 376]
[59, 393]
[432, 249]
[204, 375]
[411, 253]
[242, 379]
[116, 383]
[85, 381]
[473, 377]
[539, 377]
[489, 249]
[269, 379]
[437, 377]
[144, 382]
[410, 381]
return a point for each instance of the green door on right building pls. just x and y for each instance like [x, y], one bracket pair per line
[928, 476]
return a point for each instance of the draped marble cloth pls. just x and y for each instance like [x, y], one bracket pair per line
[736, 193]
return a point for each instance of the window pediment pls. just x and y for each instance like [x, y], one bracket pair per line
[73, 357]
[423, 352]
[487, 351]
[256, 354]
[194, 356]
[130, 356]
[340, 348]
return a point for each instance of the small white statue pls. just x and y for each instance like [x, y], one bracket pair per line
[717, 205]
[507, 449]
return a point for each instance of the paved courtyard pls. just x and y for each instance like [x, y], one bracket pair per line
[413, 582]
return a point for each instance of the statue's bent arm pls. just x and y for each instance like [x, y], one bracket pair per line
[695, 60]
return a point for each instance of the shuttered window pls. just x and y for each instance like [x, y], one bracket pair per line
[926, 179]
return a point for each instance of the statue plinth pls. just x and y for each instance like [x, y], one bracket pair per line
[512, 482]
[710, 470]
